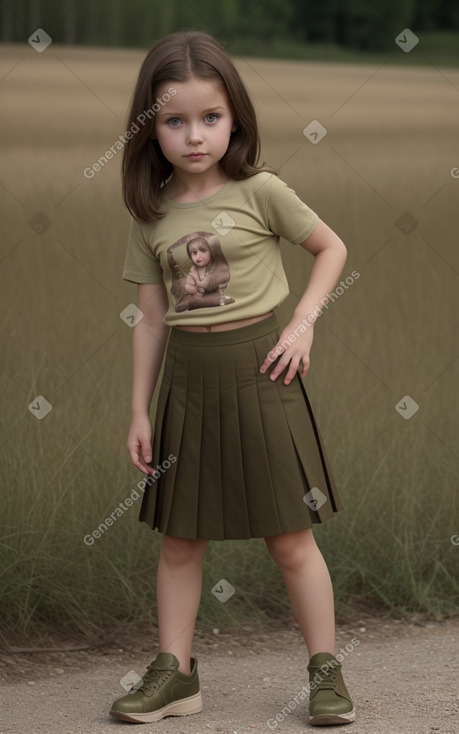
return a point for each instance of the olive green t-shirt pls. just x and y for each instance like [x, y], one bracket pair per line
[219, 257]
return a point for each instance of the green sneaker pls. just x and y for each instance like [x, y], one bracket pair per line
[329, 700]
[163, 691]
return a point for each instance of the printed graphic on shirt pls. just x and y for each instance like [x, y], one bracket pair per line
[200, 272]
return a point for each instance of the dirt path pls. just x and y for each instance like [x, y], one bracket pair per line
[403, 677]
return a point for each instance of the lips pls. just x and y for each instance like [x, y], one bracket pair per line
[195, 155]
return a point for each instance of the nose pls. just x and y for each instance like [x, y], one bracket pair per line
[194, 135]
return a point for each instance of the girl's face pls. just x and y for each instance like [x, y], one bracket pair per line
[193, 129]
[199, 253]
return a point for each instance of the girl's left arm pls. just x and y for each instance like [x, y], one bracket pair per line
[296, 338]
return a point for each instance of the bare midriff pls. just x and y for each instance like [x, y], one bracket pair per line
[227, 325]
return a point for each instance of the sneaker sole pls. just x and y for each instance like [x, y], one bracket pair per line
[330, 719]
[183, 707]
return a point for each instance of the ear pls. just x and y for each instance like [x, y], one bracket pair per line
[234, 128]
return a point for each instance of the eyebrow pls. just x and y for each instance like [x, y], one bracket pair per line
[177, 114]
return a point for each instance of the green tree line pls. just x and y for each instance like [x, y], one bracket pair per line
[365, 25]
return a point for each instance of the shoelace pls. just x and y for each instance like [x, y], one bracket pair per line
[153, 678]
[329, 679]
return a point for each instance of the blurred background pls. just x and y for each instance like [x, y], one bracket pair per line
[281, 28]
[358, 106]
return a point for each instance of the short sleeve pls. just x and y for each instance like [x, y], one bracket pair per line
[140, 264]
[287, 215]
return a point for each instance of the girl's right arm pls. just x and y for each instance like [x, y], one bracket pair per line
[148, 345]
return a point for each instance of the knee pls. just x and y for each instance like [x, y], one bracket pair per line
[291, 550]
[182, 551]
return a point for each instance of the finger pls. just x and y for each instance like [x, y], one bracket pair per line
[138, 461]
[291, 372]
[270, 358]
[142, 466]
[292, 364]
[146, 468]
[306, 365]
[145, 451]
[279, 368]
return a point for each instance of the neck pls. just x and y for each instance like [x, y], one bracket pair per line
[193, 187]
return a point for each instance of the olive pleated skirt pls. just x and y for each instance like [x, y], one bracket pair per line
[237, 455]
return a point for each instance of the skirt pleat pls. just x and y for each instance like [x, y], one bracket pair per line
[237, 455]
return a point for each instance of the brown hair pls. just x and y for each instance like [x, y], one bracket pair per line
[176, 58]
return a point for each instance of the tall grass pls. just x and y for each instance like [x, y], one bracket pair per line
[388, 150]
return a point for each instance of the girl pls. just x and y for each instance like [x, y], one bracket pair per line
[232, 410]
[206, 276]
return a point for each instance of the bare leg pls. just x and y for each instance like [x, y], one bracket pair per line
[178, 593]
[309, 587]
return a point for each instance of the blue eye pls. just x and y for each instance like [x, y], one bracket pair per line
[174, 121]
[213, 115]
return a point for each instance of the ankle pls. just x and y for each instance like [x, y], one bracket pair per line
[184, 661]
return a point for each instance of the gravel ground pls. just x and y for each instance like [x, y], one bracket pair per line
[403, 677]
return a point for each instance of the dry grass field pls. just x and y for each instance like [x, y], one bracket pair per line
[386, 178]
